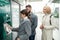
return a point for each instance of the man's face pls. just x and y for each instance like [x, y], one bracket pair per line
[28, 9]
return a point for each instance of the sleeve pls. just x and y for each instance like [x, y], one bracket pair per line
[15, 29]
[35, 22]
[54, 24]
[42, 20]
[27, 26]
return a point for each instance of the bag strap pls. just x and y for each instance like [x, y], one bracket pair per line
[50, 20]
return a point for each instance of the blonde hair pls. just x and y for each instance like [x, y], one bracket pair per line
[48, 9]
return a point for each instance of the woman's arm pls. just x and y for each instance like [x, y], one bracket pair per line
[27, 26]
[9, 27]
[15, 29]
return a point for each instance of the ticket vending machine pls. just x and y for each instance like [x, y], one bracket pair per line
[15, 17]
[5, 11]
[9, 14]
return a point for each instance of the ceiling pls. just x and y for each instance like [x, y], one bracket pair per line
[6, 2]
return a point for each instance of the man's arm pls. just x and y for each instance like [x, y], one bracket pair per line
[35, 19]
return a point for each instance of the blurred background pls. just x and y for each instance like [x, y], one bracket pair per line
[11, 8]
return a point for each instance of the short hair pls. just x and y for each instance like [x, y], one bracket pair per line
[24, 11]
[28, 6]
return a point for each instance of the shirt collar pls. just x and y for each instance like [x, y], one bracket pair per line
[48, 14]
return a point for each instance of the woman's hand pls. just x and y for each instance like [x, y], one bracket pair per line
[8, 26]
[41, 27]
[18, 38]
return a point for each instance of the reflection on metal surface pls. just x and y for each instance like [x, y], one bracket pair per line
[34, 0]
[56, 1]
[4, 2]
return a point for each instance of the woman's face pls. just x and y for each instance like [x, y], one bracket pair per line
[22, 15]
[45, 10]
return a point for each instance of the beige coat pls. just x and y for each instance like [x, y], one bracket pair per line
[47, 32]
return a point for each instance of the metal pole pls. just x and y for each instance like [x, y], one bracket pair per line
[11, 15]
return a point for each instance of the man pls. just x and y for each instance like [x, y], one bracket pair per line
[33, 19]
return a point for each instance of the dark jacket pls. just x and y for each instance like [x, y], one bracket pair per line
[34, 21]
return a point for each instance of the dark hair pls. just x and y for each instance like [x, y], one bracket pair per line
[28, 6]
[24, 11]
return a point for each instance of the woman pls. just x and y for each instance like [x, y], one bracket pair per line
[24, 30]
[47, 24]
